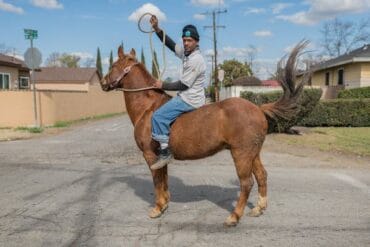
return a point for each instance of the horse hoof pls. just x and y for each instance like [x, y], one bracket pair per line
[255, 212]
[231, 221]
[156, 212]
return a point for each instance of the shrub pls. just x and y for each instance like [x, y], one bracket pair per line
[306, 103]
[355, 93]
[339, 112]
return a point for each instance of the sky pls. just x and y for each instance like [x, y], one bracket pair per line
[81, 26]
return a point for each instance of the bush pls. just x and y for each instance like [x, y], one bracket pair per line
[355, 93]
[339, 112]
[306, 103]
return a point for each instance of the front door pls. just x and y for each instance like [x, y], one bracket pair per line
[340, 77]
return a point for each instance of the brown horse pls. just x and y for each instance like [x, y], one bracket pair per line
[235, 124]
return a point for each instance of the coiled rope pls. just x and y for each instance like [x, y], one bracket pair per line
[150, 32]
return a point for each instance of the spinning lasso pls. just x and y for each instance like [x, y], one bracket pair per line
[150, 32]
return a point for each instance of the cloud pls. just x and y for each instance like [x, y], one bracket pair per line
[263, 33]
[255, 11]
[239, 52]
[47, 4]
[207, 2]
[147, 8]
[82, 55]
[277, 8]
[199, 17]
[321, 10]
[10, 8]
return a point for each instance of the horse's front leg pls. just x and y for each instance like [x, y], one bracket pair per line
[160, 180]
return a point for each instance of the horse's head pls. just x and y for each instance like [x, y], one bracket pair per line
[120, 68]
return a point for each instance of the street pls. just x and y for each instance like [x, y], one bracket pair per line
[90, 186]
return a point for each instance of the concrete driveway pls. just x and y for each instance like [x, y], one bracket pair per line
[89, 186]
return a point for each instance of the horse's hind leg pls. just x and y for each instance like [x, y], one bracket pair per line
[260, 174]
[243, 163]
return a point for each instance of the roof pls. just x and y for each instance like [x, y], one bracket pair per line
[246, 81]
[270, 83]
[65, 74]
[12, 62]
[361, 54]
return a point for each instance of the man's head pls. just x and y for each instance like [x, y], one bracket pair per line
[190, 38]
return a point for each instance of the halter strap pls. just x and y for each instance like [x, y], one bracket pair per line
[122, 75]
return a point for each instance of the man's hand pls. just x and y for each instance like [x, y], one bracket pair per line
[158, 84]
[154, 22]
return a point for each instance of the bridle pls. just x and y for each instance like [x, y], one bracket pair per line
[115, 83]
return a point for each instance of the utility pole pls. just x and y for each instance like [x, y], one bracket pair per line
[214, 27]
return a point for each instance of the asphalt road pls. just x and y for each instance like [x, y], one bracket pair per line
[89, 186]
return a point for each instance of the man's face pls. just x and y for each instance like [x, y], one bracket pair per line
[189, 43]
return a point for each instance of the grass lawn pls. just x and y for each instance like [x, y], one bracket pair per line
[346, 140]
[8, 133]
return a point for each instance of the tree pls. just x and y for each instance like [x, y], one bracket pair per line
[89, 62]
[142, 57]
[110, 60]
[53, 60]
[4, 49]
[340, 36]
[69, 61]
[98, 62]
[155, 73]
[251, 57]
[168, 80]
[234, 69]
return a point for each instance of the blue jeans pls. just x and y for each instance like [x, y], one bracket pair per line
[165, 116]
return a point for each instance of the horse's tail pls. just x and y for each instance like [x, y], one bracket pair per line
[286, 108]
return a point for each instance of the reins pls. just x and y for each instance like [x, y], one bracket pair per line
[136, 89]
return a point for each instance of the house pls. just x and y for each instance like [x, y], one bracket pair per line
[66, 79]
[248, 83]
[350, 70]
[14, 73]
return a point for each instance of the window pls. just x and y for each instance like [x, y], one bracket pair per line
[340, 77]
[24, 82]
[4, 81]
[327, 78]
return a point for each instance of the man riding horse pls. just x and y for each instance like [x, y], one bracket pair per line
[190, 86]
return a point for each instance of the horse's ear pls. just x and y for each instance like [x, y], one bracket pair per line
[120, 52]
[133, 52]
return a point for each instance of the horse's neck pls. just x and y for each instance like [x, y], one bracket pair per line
[139, 103]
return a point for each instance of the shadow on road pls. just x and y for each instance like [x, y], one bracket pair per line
[183, 193]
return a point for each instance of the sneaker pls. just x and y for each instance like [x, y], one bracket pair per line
[165, 157]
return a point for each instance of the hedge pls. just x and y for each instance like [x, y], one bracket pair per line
[306, 103]
[355, 93]
[340, 113]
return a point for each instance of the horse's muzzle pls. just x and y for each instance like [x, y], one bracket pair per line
[104, 86]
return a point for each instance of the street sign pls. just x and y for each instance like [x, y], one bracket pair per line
[30, 34]
[33, 58]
